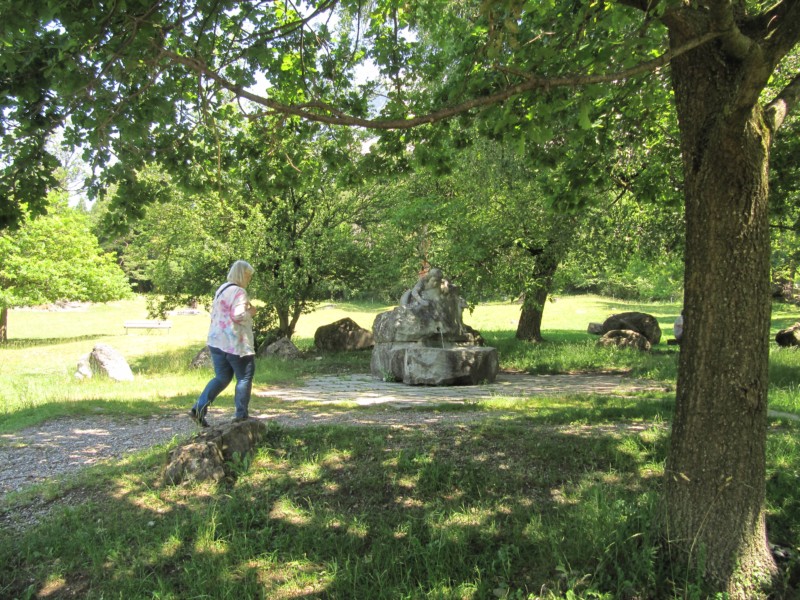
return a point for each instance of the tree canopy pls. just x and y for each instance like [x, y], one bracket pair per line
[54, 258]
[279, 205]
[148, 72]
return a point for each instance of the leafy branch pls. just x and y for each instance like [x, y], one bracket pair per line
[325, 113]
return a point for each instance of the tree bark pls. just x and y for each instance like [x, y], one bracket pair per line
[548, 257]
[287, 320]
[529, 327]
[715, 475]
[3, 324]
[284, 328]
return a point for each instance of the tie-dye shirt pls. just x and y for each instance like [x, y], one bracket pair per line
[231, 327]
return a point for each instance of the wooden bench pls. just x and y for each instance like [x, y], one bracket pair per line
[147, 325]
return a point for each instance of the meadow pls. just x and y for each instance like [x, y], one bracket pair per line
[539, 498]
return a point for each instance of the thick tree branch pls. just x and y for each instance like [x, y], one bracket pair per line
[782, 33]
[780, 227]
[777, 110]
[324, 113]
[759, 26]
[723, 19]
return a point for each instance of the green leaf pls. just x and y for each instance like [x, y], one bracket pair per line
[584, 121]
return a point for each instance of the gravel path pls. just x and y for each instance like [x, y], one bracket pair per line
[64, 446]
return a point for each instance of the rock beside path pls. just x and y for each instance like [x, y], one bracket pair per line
[104, 360]
[282, 348]
[210, 454]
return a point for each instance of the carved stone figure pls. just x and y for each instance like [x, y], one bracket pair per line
[424, 340]
[427, 289]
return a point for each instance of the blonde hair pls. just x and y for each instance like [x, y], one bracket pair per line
[239, 270]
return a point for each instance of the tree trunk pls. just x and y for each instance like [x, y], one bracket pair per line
[297, 311]
[529, 327]
[715, 475]
[284, 330]
[3, 324]
[287, 320]
[548, 258]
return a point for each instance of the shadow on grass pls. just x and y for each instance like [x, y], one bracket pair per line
[17, 343]
[509, 505]
[177, 360]
[560, 337]
[268, 369]
[641, 408]
[551, 336]
[785, 374]
[345, 513]
[781, 317]
[568, 351]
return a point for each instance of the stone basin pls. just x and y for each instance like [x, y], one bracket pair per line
[425, 365]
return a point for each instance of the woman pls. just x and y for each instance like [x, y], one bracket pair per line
[230, 340]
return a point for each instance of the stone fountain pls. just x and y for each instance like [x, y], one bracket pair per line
[424, 341]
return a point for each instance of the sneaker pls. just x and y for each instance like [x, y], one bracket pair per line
[199, 419]
[239, 419]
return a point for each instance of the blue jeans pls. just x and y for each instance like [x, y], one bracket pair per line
[225, 367]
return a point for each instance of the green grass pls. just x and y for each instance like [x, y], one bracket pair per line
[541, 498]
[38, 363]
[333, 512]
[512, 507]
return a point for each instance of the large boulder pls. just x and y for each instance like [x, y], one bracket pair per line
[105, 360]
[625, 338]
[210, 454]
[641, 323]
[416, 364]
[789, 337]
[388, 361]
[84, 370]
[342, 336]
[450, 366]
[283, 348]
[202, 360]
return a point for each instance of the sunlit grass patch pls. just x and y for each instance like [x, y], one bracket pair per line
[285, 581]
[785, 399]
